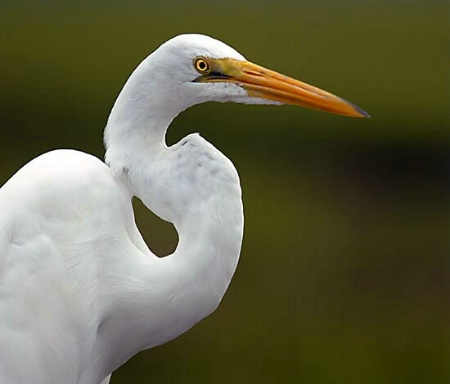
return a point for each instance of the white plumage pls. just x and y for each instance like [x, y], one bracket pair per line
[80, 291]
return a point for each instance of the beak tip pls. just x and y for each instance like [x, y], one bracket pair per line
[361, 112]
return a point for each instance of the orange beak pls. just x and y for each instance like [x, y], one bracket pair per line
[264, 83]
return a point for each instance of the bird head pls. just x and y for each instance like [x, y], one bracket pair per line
[198, 68]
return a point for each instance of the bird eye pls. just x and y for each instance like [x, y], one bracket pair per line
[201, 65]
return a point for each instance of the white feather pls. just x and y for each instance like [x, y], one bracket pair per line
[80, 292]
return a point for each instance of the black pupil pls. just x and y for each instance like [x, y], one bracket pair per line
[202, 65]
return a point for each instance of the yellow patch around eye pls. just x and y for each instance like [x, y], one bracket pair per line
[202, 65]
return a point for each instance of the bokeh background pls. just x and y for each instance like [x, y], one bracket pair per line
[345, 268]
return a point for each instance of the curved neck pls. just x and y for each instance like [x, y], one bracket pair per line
[192, 185]
[161, 298]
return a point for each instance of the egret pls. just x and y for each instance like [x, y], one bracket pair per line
[80, 291]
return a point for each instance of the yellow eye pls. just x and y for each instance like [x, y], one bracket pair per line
[201, 65]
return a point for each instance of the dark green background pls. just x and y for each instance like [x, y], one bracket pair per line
[345, 267]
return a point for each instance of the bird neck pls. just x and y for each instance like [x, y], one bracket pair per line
[195, 187]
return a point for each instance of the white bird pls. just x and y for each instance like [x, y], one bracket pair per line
[80, 291]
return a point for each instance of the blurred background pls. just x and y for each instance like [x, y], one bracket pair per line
[345, 268]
